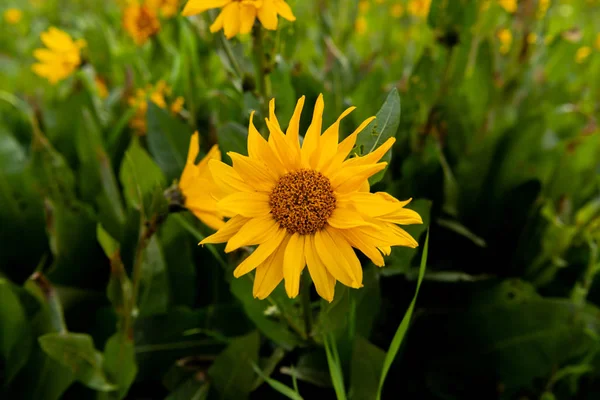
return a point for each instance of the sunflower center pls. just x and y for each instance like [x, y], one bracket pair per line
[302, 201]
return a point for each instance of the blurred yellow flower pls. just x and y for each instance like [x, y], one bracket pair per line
[101, 87]
[239, 16]
[532, 38]
[140, 22]
[60, 58]
[360, 26]
[509, 5]
[505, 37]
[156, 94]
[419, 8]
[379, 1]
[13, 16]
[307, 205]
[363, 6]
[397, 10]
[196, 185]
[582, 54]
[165, 8]
[543, 6]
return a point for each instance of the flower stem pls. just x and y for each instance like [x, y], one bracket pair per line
[306, 308]
[262, 68]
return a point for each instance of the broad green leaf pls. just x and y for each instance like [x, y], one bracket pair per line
[255, 309]
[119, 362]
[278, 386]
[168, 140]
[140, 177]
[383, 127]
[286, 95]
[76, 351]
[403, 327]
[15, 335]
[365, 370]
[154, 286]
[232, 373]
[232, 137]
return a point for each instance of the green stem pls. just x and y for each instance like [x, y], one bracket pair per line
[306, 307]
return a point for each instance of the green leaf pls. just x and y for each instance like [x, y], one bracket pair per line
[232, 137]
[365, 370]
[282, 85]
[278, 386]
[154, 286]
[383, 127]
[109, 244]
[231, 372]
[403, 327]
[335, 367]
[15, 335]
[276, 330]
[140, 177]
[119, 362]
[76, 351]
[168, 140]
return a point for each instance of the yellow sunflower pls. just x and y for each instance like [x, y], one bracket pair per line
[307, 205]
[60, 58]
[13, 16]
[166, 8]
[196, 184]
[140, 22]
[238, 16]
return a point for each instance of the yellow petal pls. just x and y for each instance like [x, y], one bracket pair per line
[227, 179]
[232, 19]
[373, 156]
[311, 142]
[345, 147]
[403, 216]
[267, 16]
[272, 116]
[197, 6]
[293, 264]
[217, 25]
[329, 140]
[261, 253]
[284, 10]
[337, 266]
[259, 149]
[354, 237]
[254, 172]
[288, 156]
[248, 16]
[351, 178]
[210, 219]
[345, 250]
[256, 231]
[292, 133]
[227, 231]
[247, 204]
[370, 204]
[345, 218]
[324, 282]
[269, 273]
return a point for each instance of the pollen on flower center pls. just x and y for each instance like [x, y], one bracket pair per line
[302, 201]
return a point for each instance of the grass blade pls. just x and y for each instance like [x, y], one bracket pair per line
[280, 387]
[403, 327]
[335, 367]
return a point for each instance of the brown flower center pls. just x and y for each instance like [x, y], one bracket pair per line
[302, 201]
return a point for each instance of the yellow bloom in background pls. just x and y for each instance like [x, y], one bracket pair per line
[13, 16]
[101, 87]
[239, 16]
[363, 6]
[60, 58]
[360, 26]
[140, 22]
[532, 38]
[505, 37]
[419, 8]
[543, 6]
[196, 184]
[397, 10]
[165, 8]
[157, 95]
[582, 54]
[509, 5]
[307, 205]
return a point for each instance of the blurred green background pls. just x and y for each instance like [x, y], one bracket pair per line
[498, 144]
